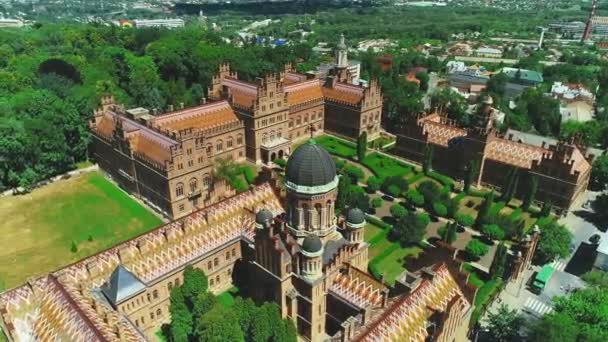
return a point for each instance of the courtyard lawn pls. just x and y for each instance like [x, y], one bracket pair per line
[388, 257]
[337, 147]
[383, 166]
[38, 228]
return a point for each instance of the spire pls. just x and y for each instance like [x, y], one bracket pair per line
[342, 53]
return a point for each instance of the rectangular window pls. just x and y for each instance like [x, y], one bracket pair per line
[233, 252]
[190, 163]
[180, 166]
[229, 144]
[209, 265]
[216, 261]
[181, 207]
[227, 255]
[189, 151]
[200, 160]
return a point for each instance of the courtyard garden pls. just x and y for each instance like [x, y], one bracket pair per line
[64, 222]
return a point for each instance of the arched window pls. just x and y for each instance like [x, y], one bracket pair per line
[176, 282]
[206, 180]
[229, 142]
[306, 216]
[158, 312]
[179, 189]
[239, 139]
[209, 149]
[271, 135]
[193, 184]
[219, 146]
[155, 294]
[170, 286]
[319, 215]
[264, 138]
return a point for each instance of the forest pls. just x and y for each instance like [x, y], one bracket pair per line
[52, 76]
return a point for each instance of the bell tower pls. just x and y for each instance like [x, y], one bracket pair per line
[342, 53]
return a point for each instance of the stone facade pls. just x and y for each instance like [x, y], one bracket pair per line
[168, 159]
[563, 170]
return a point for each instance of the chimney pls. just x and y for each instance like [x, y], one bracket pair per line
[181, 105]
[204, 100]
[171, 108]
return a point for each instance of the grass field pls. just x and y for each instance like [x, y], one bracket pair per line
[38, 228]
[337, 147]
[383, 166]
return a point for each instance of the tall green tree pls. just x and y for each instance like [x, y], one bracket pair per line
[511, 186]
[484, 210]
[219, 325]
[499, 264]
[362, 146]
[530, 193]
[410, 229]
[427, 163]
[599, 173]
[344, 193]
[182, 324]
[471, 172]
[554, 243]
[195, 283]
[545, 211]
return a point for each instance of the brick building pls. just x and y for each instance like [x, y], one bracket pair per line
[290, 249]
[167, 160]
[563, 169]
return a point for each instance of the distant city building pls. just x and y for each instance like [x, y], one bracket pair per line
[576, 102]
[460, 49]
[455, 66]
[575, 29]
[489, 52]
[468, 84]
[11, 23]
[376, 45]
[165, 23]
[523, 76]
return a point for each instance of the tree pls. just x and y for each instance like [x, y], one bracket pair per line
[423, 77]
[181, 318]
[596, 278]
[343, 193]
[377, 202]
[415, 198]
[427, 163]
[530, 192]
[440, 209]
[484, 210]
[399, 185]
[546, 209]
[398, 211]
[373, 184]
[448, 232]
[476, 249]
[411, 228]
[582, 316]
[465, 220]
[74, 247]
[471, 173]
[362, 146]
[554, 243]
[599, 173]
[511, 186]
[504, 324]
[195, 283]
[354, 173]
[499, 264]
[219, 325]
[493, 232]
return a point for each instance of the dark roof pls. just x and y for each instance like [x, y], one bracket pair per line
[331, 249]
[312, 244]
[121, 285]
[310, 165]
[355, 216]
[263, 217]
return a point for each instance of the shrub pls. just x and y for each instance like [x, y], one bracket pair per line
[239, 184]
[415, 198]
[378, 222]
[377, 202]
[398, 211]
[399, 182]
[493, 231]
[250, 173]
[354, 173]
[74, 247]
[476, 249]
[280, 162]
[90, 238]
[373, 184]
[340, 163]
[428, 189]
[440, 209]
[444, 180]
[448, 233]
[393, 190]
[465, 220]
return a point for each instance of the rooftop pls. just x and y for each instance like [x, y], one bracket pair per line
[197, 118]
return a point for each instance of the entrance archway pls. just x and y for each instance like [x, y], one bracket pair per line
[273, 156]
[281, 154]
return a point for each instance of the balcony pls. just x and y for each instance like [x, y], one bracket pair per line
[194, 194]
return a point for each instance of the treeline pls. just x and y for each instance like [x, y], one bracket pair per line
[52, 76]
[198, 315]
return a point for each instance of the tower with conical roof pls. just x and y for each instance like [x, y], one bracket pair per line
[342, 53]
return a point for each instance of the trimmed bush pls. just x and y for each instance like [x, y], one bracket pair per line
[415, 197]
[377, 222]
[373, 184]
[440, 209]
[493, 231]
[377, 202]
[250, 173]
[239, 184]
[448, 233]
[393, 190]
[398, 211]
[465, 220]
[354, 173]
[340, 163]
[443, 179]
[74, 247]
[280, 162]
[476, 249]
[399, 182]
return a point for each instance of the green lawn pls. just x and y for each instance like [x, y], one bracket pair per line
[38, 228]
[383, 166]
[337, 147]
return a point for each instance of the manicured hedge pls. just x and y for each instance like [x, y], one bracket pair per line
[338, 147]
[443, 179]
[250, 173]
[383, 166]
[378, 222]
